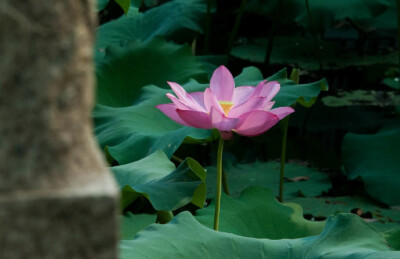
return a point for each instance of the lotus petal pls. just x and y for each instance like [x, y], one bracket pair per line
[254, 103]
[267, 90]
[178, 103]
[255, 123]
[170, 110]
[242, 94]
[183, 96]
[222, 84]
[199, 98]
[282, 112]
[221, 122]
[210, 100]
[196, 119]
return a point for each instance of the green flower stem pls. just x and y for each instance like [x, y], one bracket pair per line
[219, 183]
[236, 26]
[314, 33]
[164, 216]
[225, 186]
[285, 123]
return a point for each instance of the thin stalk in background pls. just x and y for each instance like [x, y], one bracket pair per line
[271, 36]
[294, 76]
[177, 159]
[361, 31]
[194, 46]
[398, 38]
[225, 186]
[236, 26]
[207, 30]
[219, 183]
[314, 33]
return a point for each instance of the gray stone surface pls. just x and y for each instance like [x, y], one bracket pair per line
[57, 199]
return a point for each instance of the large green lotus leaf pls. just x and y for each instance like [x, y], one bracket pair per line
[345, 236]
[125, 70]
[324, 13]
[257, 213]
[383, 218]
[156, 178]
[301, 52]
[123, 129]
[172, 19]
[303, 94]
[133, 223]
[375, 158]
[306, 181]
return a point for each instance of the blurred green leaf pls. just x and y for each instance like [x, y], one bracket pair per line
[156, 178]
[363, 98]
[324, 13]
[385, 21]
[391, 82]
[241, 176]
[212, 62]
[393, 237]
[250, 76]
[124, 4]
[300, 51]
[101, 4]
[257, 213]
[173, 19]
[138, 3]
[345, 236]
[304, 94]
[375, 158]
[382, 218]
[126, 70]
[326, 119]
[392, 78]
[133, 223]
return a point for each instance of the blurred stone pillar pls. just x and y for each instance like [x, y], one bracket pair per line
[57, 199]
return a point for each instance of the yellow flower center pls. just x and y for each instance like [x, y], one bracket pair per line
[226, 106]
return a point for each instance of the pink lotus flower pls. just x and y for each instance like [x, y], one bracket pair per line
[245, 110]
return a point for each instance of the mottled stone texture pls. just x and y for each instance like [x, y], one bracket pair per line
[57, 199]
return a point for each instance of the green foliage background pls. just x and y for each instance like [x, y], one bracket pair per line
[342, 175]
